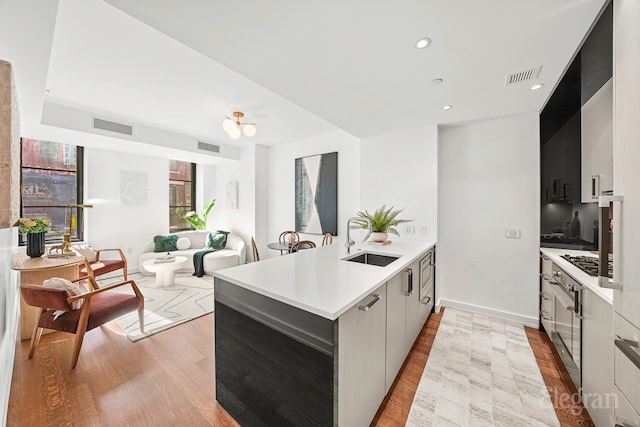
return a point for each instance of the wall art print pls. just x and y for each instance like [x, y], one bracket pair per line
[317, 194]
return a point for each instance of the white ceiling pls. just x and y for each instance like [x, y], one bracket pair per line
[296, 68]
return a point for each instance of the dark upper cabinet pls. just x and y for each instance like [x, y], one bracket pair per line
[561, 164]
[596, 56]
[560, 120]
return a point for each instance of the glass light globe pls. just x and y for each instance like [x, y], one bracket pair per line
[249, 130]
[228, 124]
[235, 133]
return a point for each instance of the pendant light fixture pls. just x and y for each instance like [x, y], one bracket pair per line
[233, 126]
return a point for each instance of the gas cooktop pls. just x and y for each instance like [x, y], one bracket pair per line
[587, 264]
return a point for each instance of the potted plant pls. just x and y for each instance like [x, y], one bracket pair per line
[383, 222]
[192, 217]
[34, 229]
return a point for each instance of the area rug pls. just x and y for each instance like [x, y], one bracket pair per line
[164, 308]
[481, 371]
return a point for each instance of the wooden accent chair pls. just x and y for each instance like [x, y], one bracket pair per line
[94, 266]
[98, 308]
[303, 244]
[327, 239]
[288, 236]
[254, 248]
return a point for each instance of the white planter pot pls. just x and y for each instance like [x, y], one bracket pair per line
[379, 237]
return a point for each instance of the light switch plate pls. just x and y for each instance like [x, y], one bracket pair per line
[408, 229]
[511, 234]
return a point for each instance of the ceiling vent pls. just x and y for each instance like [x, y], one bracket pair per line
[112, 126]
[208, 147]
[522, 76]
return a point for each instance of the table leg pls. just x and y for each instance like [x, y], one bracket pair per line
[165, 278]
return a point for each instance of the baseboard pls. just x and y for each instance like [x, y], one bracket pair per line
[532, 322]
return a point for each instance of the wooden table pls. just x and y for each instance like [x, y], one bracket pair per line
[35, 271]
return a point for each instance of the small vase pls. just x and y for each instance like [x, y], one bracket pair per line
[379, 237]
[35, 244]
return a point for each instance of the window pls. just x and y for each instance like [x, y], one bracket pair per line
[181, 193]
[52, 176]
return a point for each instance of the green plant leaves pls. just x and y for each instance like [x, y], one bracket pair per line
[193, 218]
[383, 220]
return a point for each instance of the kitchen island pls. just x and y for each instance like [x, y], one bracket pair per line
[303, 339]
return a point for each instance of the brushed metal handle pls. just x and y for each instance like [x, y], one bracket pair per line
[544, 297]
[366, 307]
[543, 317]
[595, 186]
[428, 298]
[627, 349]
[409, 273]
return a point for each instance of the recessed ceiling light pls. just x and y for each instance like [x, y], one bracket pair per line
[423, 42]
[537, 86]
[447, 107]
[436, 81]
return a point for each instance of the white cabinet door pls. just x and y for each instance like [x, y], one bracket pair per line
[547, 301]
[396, 326]
[417, 310]
[361, 359]
[597, 357]
[547, 307]
[597, 143]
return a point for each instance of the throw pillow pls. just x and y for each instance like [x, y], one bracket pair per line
[85, 251]
[165, 243]
[72, 288]
[217, 240]
[183, 243]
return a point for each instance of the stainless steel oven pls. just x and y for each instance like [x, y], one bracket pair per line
[567, 335]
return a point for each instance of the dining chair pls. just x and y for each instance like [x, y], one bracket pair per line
[98, 308]
[288, 237]
[303, 244]
[94, 266]
[327, 239]
[254, 248]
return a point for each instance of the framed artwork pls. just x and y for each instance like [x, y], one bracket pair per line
[133, 188]
[317, 194]
[231, 197]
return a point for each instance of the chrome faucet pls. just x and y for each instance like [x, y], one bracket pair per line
[350, 242]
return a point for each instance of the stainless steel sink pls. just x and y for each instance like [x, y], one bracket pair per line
[373, 259]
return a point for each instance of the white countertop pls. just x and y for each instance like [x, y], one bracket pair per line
[319, 280]
[587, 281]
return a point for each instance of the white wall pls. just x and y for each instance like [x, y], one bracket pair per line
[9, 315]
[400, 169]
[240, 221]
[110, 223]
[488, 180]
[281, 175]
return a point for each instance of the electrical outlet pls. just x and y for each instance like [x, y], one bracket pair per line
[511, 234]
[423, 230]
[408, 229]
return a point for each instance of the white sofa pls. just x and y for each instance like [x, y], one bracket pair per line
[233, 254]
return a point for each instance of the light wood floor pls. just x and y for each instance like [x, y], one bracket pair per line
[168, 380]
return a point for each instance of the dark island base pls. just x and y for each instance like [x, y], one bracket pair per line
[265, 378]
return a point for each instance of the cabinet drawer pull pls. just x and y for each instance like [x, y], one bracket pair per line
[595, 186]
[428, 298]
[627, 349]
[409, 273]
[543, 317]
[375, 299]
[542, 295]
